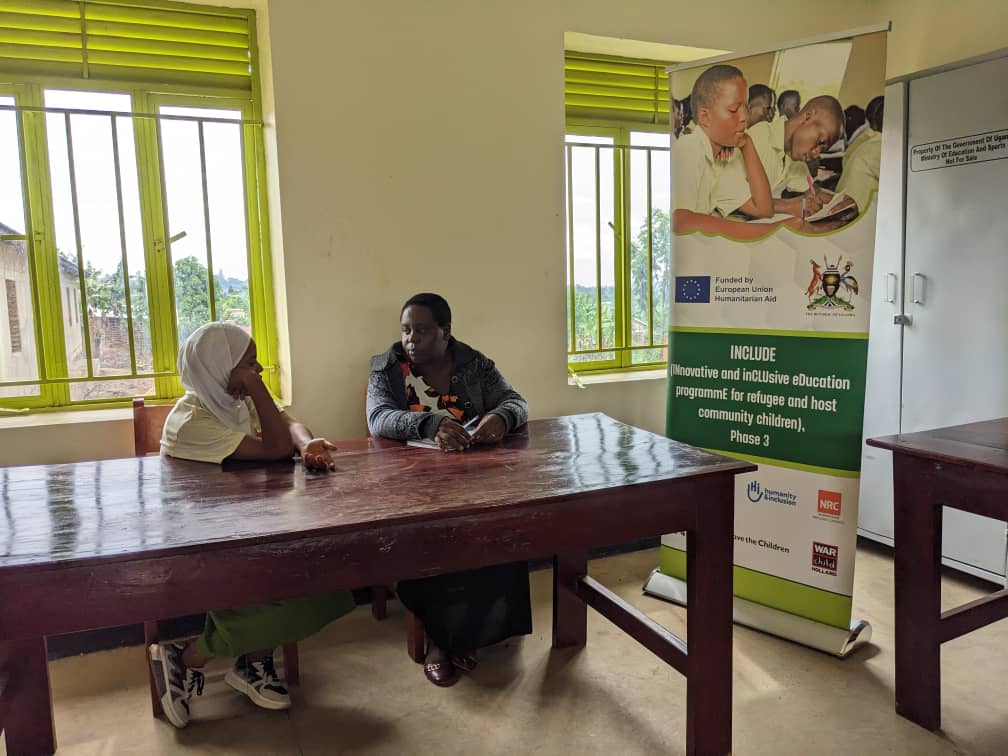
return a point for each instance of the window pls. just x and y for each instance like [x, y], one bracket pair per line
[13, 320]
[815, 69]
[618, 231]
[133, 211]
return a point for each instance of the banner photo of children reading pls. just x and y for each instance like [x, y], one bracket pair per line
[775, 170]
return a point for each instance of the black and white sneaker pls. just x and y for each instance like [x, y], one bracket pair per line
[259, 681]
[175, 682]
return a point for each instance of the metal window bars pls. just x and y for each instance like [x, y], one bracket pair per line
[135, 372]
[586, 340]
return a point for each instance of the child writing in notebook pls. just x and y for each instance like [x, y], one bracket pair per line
[785, 151]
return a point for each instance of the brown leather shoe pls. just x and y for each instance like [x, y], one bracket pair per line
[464, 662]
[441, 674]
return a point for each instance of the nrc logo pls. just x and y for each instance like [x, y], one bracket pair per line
[829, 503]
[825, 557]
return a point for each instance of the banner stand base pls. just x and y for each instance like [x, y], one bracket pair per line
[832, 640]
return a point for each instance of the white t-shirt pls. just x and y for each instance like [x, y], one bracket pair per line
[861, 162]
[192, 432]
[705, 185]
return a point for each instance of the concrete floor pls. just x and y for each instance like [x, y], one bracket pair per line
[360, 692]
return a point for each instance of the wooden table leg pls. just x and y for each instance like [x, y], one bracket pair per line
[292, 663]
[917, 531]
[709, 553]
[416, 638]
[379, 602]
[4, 679]
[151, 636]
[570, 613]
[28, 725]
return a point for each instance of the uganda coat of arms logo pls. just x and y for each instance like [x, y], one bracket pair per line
[824, 288]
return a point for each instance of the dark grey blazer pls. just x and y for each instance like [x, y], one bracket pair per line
[480, 387]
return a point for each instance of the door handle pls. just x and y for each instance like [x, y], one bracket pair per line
[177, 237]
[917, 295]
[889, 294]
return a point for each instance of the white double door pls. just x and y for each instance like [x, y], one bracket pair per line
[948, 274]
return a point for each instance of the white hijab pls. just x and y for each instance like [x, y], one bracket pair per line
[205, 363]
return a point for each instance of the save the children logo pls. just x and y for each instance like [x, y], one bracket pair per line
[827, 283]
[824, 558]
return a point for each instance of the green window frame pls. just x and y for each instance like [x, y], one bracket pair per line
[159, 54]
[614, 99]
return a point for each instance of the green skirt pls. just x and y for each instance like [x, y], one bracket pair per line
[233, 632]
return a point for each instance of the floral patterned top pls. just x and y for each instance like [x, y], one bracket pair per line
[479, 385]
[422, 398]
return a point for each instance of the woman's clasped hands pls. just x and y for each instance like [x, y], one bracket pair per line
[452, 435]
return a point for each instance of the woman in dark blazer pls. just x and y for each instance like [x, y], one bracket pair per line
[431, 386]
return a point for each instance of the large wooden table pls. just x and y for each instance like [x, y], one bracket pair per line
[964, 467]
[107, 543]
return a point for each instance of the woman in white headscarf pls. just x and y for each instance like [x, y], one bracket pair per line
[228, 413]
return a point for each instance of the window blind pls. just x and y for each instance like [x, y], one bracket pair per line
[140, 42]
[615, 89]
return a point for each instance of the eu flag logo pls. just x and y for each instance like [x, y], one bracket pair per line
[692, 289]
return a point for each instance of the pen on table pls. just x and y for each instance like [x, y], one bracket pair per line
[811, 188]
[804, 201]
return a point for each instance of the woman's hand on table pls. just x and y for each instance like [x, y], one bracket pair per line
[451, 436]
[490, 430]
[316, 456]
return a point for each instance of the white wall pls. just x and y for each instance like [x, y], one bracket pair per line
[929, 33]
[418, 147]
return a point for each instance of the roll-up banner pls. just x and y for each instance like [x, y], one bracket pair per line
[775, 168]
